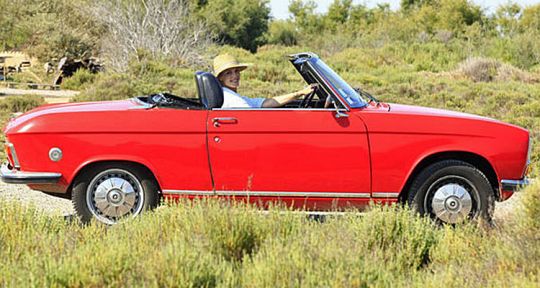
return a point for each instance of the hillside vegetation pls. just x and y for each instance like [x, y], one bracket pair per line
[438, 53]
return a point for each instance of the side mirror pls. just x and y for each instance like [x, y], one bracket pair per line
[341, 114]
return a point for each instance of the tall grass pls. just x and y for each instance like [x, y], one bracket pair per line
[211, 243]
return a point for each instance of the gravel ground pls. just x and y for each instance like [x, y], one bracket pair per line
[26, 196]
[63, 207]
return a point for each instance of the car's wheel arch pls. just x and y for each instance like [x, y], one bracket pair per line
[478, 161]
[97, 163]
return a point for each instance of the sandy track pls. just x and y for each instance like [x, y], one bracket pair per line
[26, 196]
[39, 92]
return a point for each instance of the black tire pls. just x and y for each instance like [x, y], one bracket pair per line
[111, 191]
[440, 192]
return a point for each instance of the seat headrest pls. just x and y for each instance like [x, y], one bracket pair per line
[209, 88]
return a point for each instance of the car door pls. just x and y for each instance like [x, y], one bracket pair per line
[285, 153]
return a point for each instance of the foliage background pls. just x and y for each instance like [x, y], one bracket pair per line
[437, 53]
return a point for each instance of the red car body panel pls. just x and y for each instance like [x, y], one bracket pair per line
[284, 150]
[402, 137]
[109, 131]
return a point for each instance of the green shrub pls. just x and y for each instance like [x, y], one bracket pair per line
[531, 204]
[21, 103]
[107, 86]
[282, 33]
[78, 80]
[216, 243]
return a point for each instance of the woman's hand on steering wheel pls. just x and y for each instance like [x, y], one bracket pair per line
[308, 94]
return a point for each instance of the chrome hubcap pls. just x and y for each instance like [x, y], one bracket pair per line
[452, 200]
[113, 194]
[452, 203]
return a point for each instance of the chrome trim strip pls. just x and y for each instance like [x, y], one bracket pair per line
[302, 55]
[278, 109]
[293, 194]
[385, 194]
[16, 163]
[270, 193]
[143, 104]
[21, 177]
[514, 185]
[529, 150]
[329, 92]
[188, 192]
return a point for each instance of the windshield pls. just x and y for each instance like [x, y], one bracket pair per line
[347, 92]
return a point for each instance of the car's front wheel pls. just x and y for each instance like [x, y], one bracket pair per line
[452, 191]
[109, 192]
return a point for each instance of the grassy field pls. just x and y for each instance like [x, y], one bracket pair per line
[219, 244]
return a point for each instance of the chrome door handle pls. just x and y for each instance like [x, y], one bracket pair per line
[224, 120]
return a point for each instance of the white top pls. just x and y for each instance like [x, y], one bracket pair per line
[232, 99]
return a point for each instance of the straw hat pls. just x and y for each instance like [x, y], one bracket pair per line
[225, 61]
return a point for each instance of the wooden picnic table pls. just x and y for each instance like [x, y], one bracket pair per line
[31, 85]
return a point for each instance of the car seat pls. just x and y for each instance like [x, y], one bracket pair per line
[209, 88]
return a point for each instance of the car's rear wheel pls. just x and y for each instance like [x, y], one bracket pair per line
[451, 192]
[109, 192]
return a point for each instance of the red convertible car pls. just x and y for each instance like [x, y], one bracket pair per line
[117, 159]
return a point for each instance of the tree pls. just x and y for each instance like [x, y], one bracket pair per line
[407, 5]
[531, 18]
[304, 16]
[282, 32]
[241, 23]
[507, 18]
[159, 27]
[455, 15]
[339, 11]
[48, 28]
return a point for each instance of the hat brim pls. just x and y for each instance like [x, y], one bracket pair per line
[241, 66]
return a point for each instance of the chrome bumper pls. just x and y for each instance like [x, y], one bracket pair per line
[514, 185]
[19, 177]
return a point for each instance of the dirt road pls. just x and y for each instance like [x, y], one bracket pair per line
[39, 92]
[26, 196]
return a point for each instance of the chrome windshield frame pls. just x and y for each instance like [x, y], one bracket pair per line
[322, 71]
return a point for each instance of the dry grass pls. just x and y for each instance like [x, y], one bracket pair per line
[480, 69]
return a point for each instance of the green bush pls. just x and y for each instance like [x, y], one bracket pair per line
[24, 103]
[78, 80]
[282, 33]
[215, 243]
[107, 86]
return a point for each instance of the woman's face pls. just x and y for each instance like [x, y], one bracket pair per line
[230, 78]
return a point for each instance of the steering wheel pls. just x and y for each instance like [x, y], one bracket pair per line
[307, 99]
[158, 98]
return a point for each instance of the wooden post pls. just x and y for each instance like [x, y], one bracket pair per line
[3, 62]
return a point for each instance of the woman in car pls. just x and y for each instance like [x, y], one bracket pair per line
[227, 70]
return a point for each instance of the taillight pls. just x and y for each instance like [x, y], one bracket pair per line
[11, 155]
[529, 152]
[7, 149]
